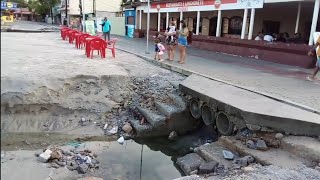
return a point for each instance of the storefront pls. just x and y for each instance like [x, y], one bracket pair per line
[7, 11]
[229, 26]
[242, 19]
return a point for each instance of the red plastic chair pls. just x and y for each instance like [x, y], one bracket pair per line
[64, 32]
[99, 45]
[76, 38]
[72, 36]
[111, 45]
[68, 34]
[82, 41]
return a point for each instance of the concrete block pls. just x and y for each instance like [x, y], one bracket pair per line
[45, 156]
[190, 162]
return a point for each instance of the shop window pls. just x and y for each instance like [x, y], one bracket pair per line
[270, 27]
[235, 25]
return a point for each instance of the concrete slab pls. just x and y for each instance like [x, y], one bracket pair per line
[213, 152]
[305, 147]
[254, 108]
[167, 109]
[156, 120]
[277, 157]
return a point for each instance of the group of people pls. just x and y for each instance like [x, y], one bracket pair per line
[173, 37]
[282, 37]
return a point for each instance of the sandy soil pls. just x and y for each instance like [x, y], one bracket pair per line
[49, 85]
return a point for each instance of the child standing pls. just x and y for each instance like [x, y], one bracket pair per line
[159, 48]
[171, 31]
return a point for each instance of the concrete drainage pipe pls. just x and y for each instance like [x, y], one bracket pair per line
[224, 125]
[208, 115]
[195, 108]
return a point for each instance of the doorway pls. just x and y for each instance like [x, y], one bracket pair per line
[213, 26]
[270, 27]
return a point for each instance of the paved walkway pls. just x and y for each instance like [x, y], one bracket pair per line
[285, 83]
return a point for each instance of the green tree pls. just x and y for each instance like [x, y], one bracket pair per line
[42, 7]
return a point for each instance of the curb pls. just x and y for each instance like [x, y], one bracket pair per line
[28, 31]
[188, 72]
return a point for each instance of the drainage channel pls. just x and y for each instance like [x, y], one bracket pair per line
[143, 158]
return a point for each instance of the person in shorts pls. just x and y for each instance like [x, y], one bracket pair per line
[316, 47]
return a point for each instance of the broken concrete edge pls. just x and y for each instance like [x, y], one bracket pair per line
[187, 72]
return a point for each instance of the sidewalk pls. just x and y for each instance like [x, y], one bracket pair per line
[281, 82]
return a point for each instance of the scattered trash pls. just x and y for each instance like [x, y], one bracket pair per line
[114, 130]
[74, 144]
[105, 126]
[121, 140]
[83, 119]
[228, 155]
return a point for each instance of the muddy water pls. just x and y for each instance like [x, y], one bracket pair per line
[136, 161]
[129, 161]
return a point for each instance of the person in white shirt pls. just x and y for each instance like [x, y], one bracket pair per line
[259, 37]
[268, 38]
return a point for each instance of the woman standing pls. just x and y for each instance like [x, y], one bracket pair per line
[171, 40]
[182, 41]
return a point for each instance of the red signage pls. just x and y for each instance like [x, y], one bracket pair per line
[188, 3]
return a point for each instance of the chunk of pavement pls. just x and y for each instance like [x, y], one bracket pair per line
[279, 136]
[207, 167]
[250, 144]
[127, 128]
[249, 159]
[228, 155]
[190, 162]
[192, 177]
[242, 162]
[56, 154]
[261, 145]
[45, 156]
[83, 168]
[173, 136]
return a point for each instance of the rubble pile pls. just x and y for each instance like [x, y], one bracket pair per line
[260, 140]
[82, 161]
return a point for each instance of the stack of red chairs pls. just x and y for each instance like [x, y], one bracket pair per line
[92, 43]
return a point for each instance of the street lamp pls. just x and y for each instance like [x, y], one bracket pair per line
[148, 26]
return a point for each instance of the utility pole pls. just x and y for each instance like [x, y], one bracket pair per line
[66, 3]
[148, 26]
[84, 16]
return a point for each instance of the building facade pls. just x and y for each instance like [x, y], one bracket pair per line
[242, 19]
